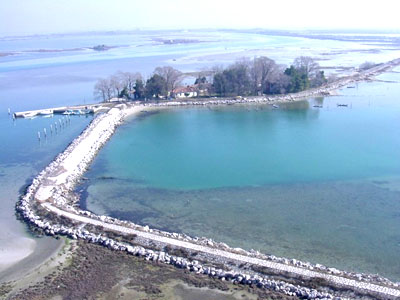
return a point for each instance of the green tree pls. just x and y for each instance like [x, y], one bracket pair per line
[200, 80]
[219, 84]
[155, 87]
[124, 93]
[233, 81]
[298, 79]
[139, 89]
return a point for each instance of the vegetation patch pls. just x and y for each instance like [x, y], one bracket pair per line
[94, 271]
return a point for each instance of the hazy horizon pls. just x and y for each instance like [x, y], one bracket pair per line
[272, 30]
[29, 17]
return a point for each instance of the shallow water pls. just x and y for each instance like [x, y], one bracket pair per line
[22, 156]
[31, 78]
[321, 185]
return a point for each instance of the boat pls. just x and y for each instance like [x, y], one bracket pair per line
[86, 111]
[342, 105]
[30, 115]
[78, 112]
[68, 112]
[275, 106]
[46, 112]
[317, 106]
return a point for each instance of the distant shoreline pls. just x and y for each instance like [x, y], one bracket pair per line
[324, 90]
[51, 196]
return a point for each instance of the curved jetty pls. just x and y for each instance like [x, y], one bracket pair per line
[50, 204]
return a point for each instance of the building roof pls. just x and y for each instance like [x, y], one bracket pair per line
[185, 89]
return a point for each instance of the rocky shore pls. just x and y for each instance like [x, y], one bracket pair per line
[324, 90]
[96, 272]
[50, 204]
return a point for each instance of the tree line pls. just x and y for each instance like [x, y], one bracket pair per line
[263, 76]
[245, 77]
[132, 86]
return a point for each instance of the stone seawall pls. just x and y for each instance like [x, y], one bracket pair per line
[324, 90]
[49, 201]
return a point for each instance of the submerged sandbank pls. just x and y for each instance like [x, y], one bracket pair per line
[20, 252]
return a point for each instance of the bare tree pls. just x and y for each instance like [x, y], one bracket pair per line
[262, 72]
[172, 77]
[128, 79]
[307, 64]
[241, 78]
[279, 82]
[215, 70]
[103, 89]
[318, 80]
[116, 84]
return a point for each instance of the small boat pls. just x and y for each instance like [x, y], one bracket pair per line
[46, 112]
[86, 111]
[317, 106]
[275, 106]
[68, 112]
[30, 115]
[78, 112]
[351, 87]
[342, 105]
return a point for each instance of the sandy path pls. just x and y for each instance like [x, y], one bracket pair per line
[228, 255]
[57, 182]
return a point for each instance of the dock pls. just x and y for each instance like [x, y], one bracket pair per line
[65, 110]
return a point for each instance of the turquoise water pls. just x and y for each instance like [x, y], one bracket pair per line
[197, 148]
[22, 157]
[31, 78]
[321, 185]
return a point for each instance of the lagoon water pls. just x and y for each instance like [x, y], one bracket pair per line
[205, 198]
[321, 185]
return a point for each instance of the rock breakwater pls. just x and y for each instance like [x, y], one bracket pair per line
[51, 205]
[324, 90]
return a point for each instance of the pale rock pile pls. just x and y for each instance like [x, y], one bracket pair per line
[56, 183]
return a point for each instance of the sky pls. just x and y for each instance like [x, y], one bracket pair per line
[21, 17]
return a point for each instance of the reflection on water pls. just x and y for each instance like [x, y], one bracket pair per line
[317, 184]
[222, 201]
